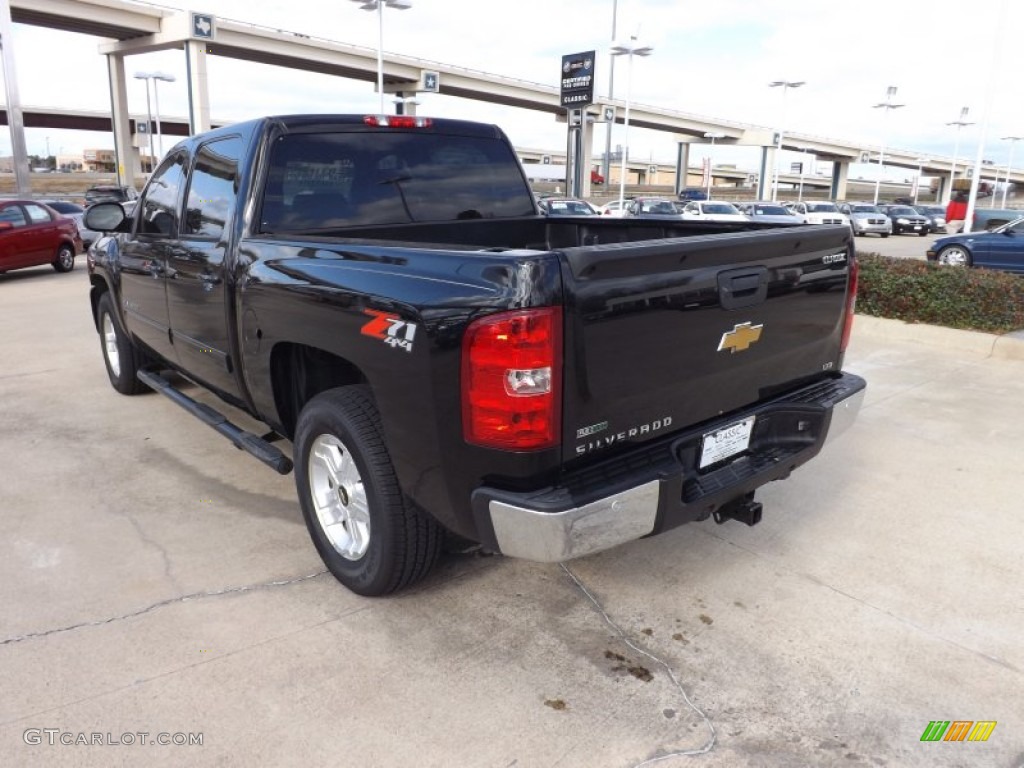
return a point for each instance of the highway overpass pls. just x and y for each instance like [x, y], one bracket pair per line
[137, 28]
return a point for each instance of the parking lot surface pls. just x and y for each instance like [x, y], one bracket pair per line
[156, 581]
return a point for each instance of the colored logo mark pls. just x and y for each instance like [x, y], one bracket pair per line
[958, 730]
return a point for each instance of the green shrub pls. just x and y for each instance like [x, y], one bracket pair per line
[955, 297]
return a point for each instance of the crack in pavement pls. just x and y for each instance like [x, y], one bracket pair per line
[161, 604]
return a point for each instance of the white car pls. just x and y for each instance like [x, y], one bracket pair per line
[614, 209]
[712, 210]
[820, 213]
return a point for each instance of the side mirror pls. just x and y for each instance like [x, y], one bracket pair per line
[105, 217]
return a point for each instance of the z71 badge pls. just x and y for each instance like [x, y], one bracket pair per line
[390, 328]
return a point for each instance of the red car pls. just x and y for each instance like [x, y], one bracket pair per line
[32, 233]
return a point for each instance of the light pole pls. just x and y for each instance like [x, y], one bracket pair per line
[149, 116]
[956, 149]
[785, 85]
[606, 166]
[803, 168]
[378, 6]
[154, 76]
[711, 135]
[1009, 163]
[631, 49]
[920, 168]
[887, 105]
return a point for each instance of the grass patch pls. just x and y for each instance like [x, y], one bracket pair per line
[955, 297]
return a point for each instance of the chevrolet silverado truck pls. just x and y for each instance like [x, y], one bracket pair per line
[446, 362]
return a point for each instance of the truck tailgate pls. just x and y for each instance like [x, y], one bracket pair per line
[664, 334]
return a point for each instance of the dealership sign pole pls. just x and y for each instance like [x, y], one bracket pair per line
[577, 93]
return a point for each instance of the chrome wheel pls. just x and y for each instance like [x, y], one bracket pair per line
[339, 498]
[954, 256]
[110, 345]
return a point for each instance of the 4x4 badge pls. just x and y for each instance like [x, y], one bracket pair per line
[740, 337]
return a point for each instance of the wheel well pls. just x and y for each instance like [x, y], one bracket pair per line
[298, 373]
[99, 287]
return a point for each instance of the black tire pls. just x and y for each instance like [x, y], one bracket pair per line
[922, 234]
[885, 234]
[64, 261]
[120, 356]
[369, 535]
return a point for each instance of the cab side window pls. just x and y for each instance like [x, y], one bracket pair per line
[213, 189]
[160, 204]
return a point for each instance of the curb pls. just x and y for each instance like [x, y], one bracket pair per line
[1008, 346]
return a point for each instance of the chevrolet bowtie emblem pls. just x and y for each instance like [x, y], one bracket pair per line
[740, 338]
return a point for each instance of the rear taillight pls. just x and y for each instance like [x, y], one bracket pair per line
[511, 380]
[851, 304]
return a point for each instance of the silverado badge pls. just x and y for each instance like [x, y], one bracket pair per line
[740, 337]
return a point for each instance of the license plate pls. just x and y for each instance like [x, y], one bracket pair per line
[725, 442]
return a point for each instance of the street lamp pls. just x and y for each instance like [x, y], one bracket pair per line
[887, 105]
[606, 166]
[956, 149]
[631, 49]
[154, 76]
[1009, 164]
[711, 135]
[785, 85]
[803, 168]
[920, 169]
[378, 6]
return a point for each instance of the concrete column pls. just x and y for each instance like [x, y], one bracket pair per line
[840, 175]
[19, 151]
[125, 156]
[766, 173]
[198, 87]
[586, 154]
[682, 164]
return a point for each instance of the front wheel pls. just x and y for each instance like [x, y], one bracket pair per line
[922, 234]
[120, 355]
[64, 261]
[369, 535]
[955, 256]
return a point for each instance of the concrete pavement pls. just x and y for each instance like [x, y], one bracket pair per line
[153, 579]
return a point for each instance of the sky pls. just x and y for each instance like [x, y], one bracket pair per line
[712, 59]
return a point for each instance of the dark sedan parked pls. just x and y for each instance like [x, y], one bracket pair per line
[906, 219]
[32, 234]
[1002, 248]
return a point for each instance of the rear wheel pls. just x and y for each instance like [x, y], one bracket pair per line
[955, 256]
[120, 355]
[370, 536]
[64, 261]
[885, 234]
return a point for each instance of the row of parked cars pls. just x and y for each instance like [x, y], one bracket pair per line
[996, 242]
[862, 218]
[38, 232]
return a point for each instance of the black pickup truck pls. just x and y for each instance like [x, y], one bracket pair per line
[383, 293]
